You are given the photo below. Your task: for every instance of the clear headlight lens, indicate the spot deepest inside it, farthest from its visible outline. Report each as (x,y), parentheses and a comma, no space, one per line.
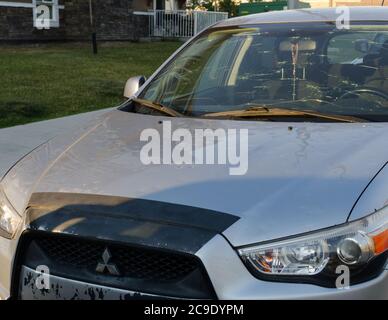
(355,245)
(9,218)
(307,258)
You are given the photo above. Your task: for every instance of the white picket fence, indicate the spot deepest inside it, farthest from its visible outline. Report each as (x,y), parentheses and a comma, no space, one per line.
(181,23)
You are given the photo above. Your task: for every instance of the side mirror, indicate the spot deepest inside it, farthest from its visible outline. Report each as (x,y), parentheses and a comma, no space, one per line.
(361,45)
(133,85)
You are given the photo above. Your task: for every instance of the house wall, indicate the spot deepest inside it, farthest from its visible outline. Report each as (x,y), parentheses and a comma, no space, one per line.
(16,22)
(120,22)
(142,5)
(114,20)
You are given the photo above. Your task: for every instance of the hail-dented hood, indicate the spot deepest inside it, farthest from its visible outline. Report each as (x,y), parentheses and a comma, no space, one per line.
(297,180)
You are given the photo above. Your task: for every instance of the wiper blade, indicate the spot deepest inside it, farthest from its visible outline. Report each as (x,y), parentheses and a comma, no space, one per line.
(158,107)
(268,111)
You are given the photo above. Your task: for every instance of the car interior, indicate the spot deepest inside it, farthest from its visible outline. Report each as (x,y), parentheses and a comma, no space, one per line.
(314,77)
(339,72)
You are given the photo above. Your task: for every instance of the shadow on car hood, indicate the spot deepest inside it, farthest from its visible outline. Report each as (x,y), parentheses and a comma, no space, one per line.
(298,180)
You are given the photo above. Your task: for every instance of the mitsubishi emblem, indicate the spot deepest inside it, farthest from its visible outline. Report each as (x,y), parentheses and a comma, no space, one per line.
(111,268)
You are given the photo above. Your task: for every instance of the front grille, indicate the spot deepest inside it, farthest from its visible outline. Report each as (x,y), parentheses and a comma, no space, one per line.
(132,262)
(142,269)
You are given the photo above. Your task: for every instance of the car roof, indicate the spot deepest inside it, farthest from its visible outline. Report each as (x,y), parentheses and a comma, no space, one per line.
(309,15)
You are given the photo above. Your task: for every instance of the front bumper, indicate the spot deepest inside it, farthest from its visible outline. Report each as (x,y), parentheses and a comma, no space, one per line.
(229,277)
(68,289)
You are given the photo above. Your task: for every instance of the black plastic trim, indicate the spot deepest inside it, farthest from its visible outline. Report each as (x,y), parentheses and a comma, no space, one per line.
(195,285)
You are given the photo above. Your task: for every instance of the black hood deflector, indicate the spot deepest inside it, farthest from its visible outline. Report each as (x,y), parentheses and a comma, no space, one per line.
(136,221)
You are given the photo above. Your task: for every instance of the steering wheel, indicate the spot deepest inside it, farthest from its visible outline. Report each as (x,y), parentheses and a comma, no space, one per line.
(380,103)
(358,92)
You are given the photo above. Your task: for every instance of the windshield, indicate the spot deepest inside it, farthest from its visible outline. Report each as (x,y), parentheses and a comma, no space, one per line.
(301,66)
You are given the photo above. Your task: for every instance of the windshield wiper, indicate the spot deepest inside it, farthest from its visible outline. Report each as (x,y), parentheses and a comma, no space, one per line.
(256,111)
(158,107)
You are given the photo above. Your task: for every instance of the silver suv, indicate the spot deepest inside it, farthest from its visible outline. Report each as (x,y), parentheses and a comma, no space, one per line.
(306,218)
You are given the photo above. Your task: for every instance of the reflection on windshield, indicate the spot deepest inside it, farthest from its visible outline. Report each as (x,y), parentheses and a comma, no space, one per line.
(308,66)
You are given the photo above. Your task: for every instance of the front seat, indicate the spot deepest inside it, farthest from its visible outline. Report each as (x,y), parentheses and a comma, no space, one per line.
(379,64)
(305,88)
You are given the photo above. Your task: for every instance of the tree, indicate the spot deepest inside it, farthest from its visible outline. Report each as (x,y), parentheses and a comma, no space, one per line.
(206,5)
(230,6)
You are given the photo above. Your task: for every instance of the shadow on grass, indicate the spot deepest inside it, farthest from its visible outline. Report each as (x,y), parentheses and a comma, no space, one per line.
(107,88)
(19,112)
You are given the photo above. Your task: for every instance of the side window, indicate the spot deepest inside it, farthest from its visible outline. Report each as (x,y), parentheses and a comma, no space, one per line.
(342,48)
(259,58)
(219,69)
(379,40)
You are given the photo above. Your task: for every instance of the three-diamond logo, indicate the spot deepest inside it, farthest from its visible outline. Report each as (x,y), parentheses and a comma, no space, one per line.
(105,266)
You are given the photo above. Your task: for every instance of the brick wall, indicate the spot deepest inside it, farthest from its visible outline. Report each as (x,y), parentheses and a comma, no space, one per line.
(120,22)
(114,20)
(17,24)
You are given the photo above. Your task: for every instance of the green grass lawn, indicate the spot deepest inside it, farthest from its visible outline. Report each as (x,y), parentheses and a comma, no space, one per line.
(50,81)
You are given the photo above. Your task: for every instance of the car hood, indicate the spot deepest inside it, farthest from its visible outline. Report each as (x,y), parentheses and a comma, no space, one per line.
(299,179)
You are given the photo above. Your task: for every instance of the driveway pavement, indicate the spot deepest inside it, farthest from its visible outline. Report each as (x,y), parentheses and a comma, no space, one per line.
(17,141)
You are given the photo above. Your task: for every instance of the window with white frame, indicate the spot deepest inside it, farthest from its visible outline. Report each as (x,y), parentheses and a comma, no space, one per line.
(46,14)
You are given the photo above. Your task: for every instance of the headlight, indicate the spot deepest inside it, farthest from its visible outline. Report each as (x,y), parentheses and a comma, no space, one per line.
(9,218)
(361,245)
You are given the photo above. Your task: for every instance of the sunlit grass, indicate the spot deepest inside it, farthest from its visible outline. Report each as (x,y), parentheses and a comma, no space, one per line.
(50,81)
